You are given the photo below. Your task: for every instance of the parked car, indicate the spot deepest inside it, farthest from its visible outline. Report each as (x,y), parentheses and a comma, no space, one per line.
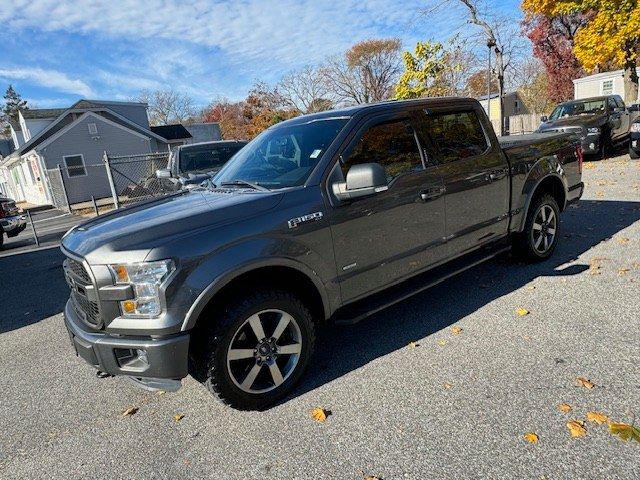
(194,163)
(12,222)
(601,122)
(634,142)
(327,217)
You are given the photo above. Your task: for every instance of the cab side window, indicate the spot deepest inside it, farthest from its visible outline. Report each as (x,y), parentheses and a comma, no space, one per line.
(455,135)
(391,144)
(611,104)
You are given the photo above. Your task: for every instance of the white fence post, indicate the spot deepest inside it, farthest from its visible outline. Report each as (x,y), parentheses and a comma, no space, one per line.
(114,194)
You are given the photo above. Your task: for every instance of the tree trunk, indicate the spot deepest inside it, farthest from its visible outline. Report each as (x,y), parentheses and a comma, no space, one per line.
(630,81)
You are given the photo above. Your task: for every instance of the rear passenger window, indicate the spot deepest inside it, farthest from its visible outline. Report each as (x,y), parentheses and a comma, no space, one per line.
(455,135)
(391,144)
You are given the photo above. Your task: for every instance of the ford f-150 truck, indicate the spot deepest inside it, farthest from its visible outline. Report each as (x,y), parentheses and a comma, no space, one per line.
(327,217)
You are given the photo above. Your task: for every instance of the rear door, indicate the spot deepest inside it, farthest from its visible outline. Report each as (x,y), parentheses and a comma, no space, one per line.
(475,174)
(386,237)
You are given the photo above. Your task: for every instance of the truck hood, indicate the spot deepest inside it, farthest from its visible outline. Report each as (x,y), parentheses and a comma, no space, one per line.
(128,235)
(596,120)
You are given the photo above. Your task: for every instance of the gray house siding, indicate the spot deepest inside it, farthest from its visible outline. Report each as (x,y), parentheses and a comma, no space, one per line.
(77,140)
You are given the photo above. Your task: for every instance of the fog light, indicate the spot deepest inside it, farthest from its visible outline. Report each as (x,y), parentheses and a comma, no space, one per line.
(142,355)
(592,146)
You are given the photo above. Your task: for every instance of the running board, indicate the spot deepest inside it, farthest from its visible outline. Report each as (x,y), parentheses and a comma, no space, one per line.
(361,309)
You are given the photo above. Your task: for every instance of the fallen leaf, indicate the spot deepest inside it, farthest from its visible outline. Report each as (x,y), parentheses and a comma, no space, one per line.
(178,416)
(130,411)
(160,392)
(448,386)
(564,407)
(442,343)
(320,414)
(369,477)
(599,194)
(456,330)
(522,312)
(625,431)
(531,437)
(595,264)
(623,271)
(576,428)
(531,287)
(623,240)
(597,417)
(588,166)
(413,344)
(585,382)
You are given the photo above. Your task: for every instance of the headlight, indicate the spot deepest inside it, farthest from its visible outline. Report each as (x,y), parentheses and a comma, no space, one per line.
(593,130)
(146,279)
(635,127)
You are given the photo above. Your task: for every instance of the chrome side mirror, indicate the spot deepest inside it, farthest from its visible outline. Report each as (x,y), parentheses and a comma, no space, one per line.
(363,180)
(163,173)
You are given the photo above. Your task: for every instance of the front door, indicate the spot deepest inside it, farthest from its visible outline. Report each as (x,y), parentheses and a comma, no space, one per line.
(381,239)
(475,175)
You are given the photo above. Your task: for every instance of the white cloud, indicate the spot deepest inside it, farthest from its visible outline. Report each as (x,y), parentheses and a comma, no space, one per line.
(48,78)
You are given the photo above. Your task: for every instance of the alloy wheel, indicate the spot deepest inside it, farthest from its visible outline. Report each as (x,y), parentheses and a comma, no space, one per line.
(544,229)
(264,351)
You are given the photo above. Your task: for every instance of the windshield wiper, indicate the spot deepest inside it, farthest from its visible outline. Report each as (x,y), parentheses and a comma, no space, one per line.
(244,183)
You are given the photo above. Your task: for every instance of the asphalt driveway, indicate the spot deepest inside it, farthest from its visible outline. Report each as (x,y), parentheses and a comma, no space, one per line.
(454,406)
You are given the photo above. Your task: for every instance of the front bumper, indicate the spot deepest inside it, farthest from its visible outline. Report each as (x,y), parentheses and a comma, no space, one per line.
(12,226)
(154,363)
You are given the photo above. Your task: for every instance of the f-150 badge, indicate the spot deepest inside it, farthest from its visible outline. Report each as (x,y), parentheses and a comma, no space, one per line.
(294,222)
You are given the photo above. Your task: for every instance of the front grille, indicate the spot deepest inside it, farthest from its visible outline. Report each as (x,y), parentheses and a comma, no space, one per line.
(86,308)
(78,279)
(77,268)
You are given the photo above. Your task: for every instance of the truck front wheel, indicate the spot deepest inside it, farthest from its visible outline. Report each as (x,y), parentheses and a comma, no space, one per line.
(253,352)
(540,235)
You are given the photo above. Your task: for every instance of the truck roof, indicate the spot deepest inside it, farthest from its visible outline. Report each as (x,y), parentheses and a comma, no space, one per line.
(351,111)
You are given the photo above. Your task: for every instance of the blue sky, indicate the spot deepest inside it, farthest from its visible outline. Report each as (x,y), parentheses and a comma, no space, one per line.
(57,51)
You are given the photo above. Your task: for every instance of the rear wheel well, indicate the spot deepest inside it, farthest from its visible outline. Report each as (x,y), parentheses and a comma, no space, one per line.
(276,277)
(552,186)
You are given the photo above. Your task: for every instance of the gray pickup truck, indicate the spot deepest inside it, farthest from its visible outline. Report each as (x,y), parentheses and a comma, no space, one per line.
(327,217)
(12,221)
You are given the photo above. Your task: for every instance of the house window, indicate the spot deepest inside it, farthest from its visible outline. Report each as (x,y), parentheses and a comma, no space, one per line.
(93,129)
(607,87)
(75,165)
(516,105)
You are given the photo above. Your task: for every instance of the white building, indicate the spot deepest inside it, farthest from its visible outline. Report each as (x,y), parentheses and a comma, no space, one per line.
(606,83)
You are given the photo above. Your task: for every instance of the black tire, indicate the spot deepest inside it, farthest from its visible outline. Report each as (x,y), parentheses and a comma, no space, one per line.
(633,153)
(606,146)
(527,244)
(1,239)
(212,344)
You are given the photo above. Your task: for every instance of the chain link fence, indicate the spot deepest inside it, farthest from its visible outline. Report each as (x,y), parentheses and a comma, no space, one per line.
(116,181)
(133,177)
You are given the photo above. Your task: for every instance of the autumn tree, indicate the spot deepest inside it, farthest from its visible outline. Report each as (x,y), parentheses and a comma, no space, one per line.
(167,106)
(229,117)
(610,34)
(553,40)
(460,64)
(422,76)
(477,83)
(366,73)
(532,82)
(306,90)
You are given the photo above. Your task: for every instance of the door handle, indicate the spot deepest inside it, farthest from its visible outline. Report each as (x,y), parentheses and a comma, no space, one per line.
(497,174)
(431,193)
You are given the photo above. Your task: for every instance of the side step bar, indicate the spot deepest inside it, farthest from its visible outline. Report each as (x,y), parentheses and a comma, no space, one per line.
(361,309)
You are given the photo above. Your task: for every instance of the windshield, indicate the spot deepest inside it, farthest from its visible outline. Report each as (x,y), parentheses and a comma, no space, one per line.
(578,108)
(206,157)
(282,157)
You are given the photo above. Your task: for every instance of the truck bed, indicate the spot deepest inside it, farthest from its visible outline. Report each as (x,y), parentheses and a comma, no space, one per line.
(535,144)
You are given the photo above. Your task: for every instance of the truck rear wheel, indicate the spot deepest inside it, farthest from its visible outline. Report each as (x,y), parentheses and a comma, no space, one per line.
(255,350)
(539,238)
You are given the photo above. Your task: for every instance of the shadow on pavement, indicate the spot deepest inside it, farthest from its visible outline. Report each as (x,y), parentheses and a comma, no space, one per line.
(340,350)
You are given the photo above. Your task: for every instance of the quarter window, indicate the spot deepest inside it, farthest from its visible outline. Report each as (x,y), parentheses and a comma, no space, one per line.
(391,144)
(455,135)
(75,165)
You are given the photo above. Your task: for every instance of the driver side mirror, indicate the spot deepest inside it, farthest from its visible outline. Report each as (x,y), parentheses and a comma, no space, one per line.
(163,173)
(363,180)
(544,118)
(618,110)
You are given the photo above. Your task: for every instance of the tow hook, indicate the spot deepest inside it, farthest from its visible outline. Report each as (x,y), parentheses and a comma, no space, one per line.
(101,374)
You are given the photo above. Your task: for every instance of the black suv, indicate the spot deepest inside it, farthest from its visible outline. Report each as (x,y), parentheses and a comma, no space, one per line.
(601,122)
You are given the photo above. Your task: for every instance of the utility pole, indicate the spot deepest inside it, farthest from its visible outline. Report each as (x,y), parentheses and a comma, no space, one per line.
(490,44)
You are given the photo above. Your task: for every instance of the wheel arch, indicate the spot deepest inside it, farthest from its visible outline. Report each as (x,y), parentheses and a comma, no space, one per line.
(551,184)
(285,274)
